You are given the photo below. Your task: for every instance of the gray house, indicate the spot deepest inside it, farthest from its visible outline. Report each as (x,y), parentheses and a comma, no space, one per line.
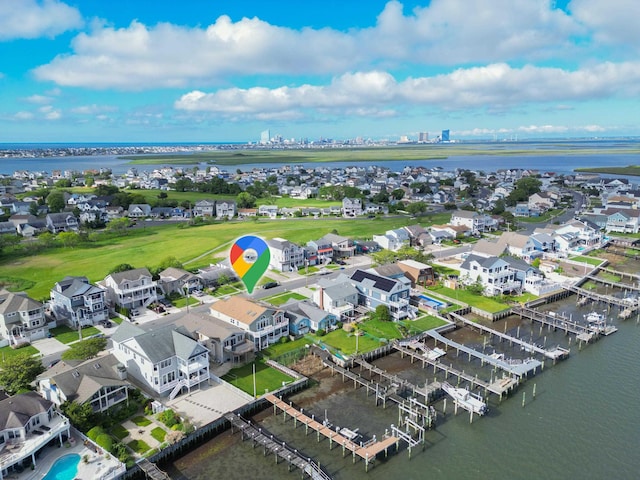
(77,302)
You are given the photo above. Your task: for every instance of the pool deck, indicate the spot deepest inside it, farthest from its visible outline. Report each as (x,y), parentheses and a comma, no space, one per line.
(98,467)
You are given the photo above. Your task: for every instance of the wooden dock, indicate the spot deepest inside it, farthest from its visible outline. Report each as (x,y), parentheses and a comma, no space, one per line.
(554,353)
(367,451)
(631,276)
(152,471)
(609,283)
(498,387)
(279,449)
(556,321)
(598,297)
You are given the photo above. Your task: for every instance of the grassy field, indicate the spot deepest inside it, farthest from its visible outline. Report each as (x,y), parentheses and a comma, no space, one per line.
(633,170)
(266,378)
(283,298)
(346,342)
(588,260)
(380,329)
(119,431)
(67,334)
(159,433)
(279,349)
(138,446)
(141,421)
(193,246)
(545,217)
(487,304)
(182,302)
(423,323)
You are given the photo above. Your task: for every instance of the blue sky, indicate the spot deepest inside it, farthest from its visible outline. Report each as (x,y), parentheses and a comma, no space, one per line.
(224,70)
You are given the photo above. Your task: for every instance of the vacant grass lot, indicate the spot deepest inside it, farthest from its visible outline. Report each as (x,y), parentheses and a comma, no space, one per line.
(66,334)
(346,342)
(149,246)
(487,304)
(588,260)
(266,378)
(283,298)
(278,349)
(423,323)
(380,329)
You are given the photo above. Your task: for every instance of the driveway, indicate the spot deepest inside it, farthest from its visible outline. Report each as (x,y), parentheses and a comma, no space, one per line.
(50,346)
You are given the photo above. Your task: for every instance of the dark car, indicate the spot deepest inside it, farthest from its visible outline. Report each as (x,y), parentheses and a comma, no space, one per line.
(270,285)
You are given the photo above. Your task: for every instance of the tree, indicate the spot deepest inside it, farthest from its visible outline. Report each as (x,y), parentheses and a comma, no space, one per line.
(80,414)
(123,267)
(119,225)
(536,262)
(85,349)
(69,239)
(382,313)
(397,194)
(55,201)
(169,262)
(416,208)
(103,190)
(499,207)
(33,209)
(19,371)
(523,189)
(246,200)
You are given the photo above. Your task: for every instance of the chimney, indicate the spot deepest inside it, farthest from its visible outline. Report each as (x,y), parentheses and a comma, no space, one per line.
(121,370)
(321,301)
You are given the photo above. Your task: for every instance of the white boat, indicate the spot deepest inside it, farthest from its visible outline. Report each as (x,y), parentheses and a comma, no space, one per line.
(347,433)
(471,402)
(595,317)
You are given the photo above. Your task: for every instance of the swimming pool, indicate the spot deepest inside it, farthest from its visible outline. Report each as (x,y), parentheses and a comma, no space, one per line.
(64,468)
(432,302)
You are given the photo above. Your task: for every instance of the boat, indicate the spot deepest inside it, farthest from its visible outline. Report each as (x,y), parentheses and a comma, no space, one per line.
(595,317)
(347,433)
(471,402)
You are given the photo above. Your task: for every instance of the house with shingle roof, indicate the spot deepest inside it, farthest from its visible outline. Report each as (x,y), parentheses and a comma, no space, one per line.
(22,318)
(101,382)
(131,288)
(337,296)
(305,317)
(75,301)
(174,279)
(263,325)
(166,360)
(375,290)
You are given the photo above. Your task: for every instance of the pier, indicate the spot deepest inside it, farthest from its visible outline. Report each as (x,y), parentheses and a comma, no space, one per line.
(598,297)
(498,387)
(554,353)
(519,369)
(609,283)
(152,471)
(279,449)
(367,451)
(631,276)
(557,322)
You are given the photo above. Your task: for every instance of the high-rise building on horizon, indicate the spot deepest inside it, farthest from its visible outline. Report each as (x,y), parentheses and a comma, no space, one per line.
(265,137)
(423,137)
(445,136)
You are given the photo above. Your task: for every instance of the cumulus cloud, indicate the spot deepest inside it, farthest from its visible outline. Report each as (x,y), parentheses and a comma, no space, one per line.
(166,55)
(34,18)
(39,99)
(611,22)
(93,109)
(23,115)
(494,87)
(50,113)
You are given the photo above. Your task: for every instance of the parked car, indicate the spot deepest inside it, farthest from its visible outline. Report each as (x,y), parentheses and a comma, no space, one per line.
(106,324)
(270,285)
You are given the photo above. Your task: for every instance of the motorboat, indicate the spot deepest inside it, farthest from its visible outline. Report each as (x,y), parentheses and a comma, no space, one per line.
(471,402)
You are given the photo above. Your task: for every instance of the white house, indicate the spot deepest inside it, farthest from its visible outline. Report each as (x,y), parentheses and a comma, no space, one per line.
(22,318)
(77,302)
(166,359)
(285,255)
(351,207)
(131,288)
(338,297)
(493,273)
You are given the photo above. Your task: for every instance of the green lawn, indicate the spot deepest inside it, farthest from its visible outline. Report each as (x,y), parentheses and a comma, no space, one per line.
(6,352)
(138,446)
(159,433)
(278,349)
(346,342)
(149,246)
(225,290)
(283,298)
(588,260)
(182,302)
(117,320)
(119,431)
(380,329)
(423,323)
(66,334)
(488,304)
(141,421)
(541,218)
(266,378)
(610,277)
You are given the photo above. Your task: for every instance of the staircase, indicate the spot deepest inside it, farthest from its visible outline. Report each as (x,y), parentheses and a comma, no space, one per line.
(178,388)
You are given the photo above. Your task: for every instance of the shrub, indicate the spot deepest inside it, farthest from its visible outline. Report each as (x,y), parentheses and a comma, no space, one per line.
(95,432)
(169,418)
(105,441)
(321,332)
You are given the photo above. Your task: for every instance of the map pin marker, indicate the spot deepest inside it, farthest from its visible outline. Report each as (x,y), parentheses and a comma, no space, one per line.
(249,257)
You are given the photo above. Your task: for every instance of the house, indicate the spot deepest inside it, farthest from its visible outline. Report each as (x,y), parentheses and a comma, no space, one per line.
(263,325)
(61,222)
(351,207)
(75,301)
(225,342)
(416,233)
(204,208)
(305,317)
(322,248)
(338,297)
(342,246)
(174,279)
(22,318)
(517,244)
(225,208)
(393,240)
(139,210)
(166,359)
(375,290)
(101,382)
(210,276)
(270,211)
(488,248)
(28,423)
(285,255)
(585,233)
(419,273)
(493,273)
(474,221)
(8,228)
(542,201)
(131,288)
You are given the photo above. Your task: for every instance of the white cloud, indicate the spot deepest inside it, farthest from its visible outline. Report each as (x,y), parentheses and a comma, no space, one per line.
(39,99)
(494,88)
(50,113)
(93,109)
(532,130)
(612,22)
(34,18)
(139,56)
(23,115)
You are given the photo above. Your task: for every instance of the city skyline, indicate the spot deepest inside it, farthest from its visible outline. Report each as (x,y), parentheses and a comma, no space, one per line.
(226,71)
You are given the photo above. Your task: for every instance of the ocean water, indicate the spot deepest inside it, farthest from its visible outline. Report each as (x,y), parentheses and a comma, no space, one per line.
(582,424)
